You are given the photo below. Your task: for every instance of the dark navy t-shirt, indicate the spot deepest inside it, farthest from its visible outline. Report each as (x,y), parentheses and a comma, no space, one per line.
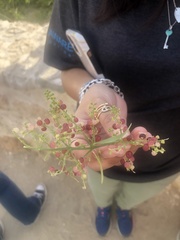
(129,50)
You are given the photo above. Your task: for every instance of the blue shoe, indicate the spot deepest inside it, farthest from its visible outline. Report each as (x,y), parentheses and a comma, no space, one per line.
(124,222)
(103,220)
(40,193)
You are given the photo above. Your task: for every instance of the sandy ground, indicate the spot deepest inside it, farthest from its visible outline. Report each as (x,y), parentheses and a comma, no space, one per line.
(69,211)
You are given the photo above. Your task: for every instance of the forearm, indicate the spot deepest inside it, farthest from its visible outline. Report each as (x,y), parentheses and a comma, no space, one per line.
(73,80)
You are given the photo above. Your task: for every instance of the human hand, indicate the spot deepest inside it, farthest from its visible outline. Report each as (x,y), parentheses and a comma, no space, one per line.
(97,95)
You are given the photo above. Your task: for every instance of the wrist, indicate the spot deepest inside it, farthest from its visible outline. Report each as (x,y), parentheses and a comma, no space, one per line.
(104,81)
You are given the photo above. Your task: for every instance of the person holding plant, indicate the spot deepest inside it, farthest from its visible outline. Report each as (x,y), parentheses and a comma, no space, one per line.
(132,43)
(24,209)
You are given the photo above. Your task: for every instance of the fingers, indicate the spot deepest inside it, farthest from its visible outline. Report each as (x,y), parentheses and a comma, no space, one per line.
(114,120)
(140,133)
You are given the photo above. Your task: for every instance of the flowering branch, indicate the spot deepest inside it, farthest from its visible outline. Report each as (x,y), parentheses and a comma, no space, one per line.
(57,135)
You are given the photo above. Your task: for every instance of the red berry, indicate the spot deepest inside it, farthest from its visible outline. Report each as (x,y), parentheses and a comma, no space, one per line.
(65,127)
(81,159)
(76,144)
(123,121)
(43,129)
(76,119)
(39,122)
(63,106)
(145,147)
(129,154)
(122,161)
(129,138)
(88,127)
(72,135)
(47,121)
(83,128)
(114,126)
(97,138)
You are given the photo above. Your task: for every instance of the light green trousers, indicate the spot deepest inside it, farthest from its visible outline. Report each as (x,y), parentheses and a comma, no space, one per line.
(126,194)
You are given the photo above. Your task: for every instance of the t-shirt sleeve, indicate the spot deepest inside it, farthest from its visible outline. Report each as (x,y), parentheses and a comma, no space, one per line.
(58,51)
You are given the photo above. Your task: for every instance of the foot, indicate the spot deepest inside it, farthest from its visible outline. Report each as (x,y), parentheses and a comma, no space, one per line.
(103,220)
(1,231)
(124,222)
(40,193)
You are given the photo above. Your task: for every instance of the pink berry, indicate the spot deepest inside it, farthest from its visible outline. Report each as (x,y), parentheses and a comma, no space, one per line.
(52,169)
(151,143)
(125,128)
(57,154)
(127,165)
(76,171)
(132,159)
(52,144)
